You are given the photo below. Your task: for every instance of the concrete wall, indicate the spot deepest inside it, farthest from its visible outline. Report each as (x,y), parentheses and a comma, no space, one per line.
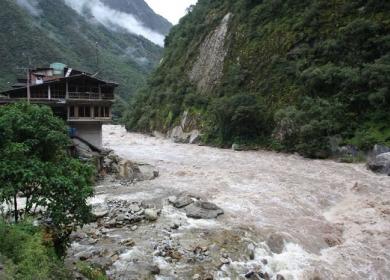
(91,132)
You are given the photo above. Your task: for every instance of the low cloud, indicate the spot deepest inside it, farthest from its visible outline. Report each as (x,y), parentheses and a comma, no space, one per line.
(30,6)
(112,19)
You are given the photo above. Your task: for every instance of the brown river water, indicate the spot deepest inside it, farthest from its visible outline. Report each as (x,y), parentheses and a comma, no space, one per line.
(333,218)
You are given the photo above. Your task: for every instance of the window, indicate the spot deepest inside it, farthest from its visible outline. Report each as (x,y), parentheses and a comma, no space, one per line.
(84,111)
(96,112)
(71,112)
(106,112)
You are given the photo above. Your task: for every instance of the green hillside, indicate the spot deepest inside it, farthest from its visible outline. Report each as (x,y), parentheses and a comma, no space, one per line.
(58,33)
(297,76)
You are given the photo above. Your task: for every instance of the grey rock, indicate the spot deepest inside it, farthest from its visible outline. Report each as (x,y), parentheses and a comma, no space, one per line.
(134,228)
(99,213)
(151,214)
(128,242)
(203,210)
(154,270)
(121,218)
(146,172)
(276,243)
(178,135)
(380,149)
(195,137)
(182,201)
(280,277)
(251,251)
(348,150)
(175,225)
(78,236)
(82,256)
(380,164)
(134,208)
(236,147)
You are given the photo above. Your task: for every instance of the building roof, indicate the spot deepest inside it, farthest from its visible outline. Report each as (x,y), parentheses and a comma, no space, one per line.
(60,80)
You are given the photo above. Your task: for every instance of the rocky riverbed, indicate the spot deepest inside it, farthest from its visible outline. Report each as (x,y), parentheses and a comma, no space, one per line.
(220,214)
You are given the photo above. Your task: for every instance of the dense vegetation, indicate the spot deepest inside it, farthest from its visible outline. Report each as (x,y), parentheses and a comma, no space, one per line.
(26,254)
(59,34)
(298,75)
(38,180)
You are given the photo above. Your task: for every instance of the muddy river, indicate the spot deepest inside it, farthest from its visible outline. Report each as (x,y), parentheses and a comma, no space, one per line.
(285,217)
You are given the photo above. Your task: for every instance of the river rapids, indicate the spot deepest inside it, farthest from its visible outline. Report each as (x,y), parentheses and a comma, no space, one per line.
(304,219)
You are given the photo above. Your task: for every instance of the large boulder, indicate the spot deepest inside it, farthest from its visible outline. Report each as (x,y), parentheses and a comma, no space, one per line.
(131,171)
(146,172)
(83,150)
(203,210)
(380,164)
(178,135)
(380,149)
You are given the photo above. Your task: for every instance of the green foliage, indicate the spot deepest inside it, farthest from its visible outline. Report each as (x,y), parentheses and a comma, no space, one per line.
(34,164)
(308,128)
(238,118)
(321,67)
(370,134)
(26,255)
(91,273)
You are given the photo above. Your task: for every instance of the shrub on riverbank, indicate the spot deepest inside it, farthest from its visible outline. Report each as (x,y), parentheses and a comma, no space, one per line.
(25,254)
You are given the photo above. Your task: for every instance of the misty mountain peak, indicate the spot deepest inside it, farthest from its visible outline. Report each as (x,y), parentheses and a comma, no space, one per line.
(141,10)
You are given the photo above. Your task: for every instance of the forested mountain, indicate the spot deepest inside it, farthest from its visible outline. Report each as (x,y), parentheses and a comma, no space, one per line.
(37,33)
(141,10)
(294,75)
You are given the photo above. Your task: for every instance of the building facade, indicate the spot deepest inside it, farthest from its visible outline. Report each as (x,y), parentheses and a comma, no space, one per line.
(79,98)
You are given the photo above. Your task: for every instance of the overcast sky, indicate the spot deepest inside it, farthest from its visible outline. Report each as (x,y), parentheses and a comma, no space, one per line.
(172,10)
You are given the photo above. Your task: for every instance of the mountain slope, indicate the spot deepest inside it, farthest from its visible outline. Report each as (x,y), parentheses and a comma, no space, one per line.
(302,76)
(141,10)
(49,31)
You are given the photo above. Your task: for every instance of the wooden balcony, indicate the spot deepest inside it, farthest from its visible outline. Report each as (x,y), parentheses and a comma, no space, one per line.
(90,96)
(89,119)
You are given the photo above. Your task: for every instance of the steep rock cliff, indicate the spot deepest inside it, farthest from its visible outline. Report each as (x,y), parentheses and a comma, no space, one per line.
(290,75)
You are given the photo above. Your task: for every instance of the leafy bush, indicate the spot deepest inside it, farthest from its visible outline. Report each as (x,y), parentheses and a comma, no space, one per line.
(307,129)
(26,255)
(34,164)
(90,272)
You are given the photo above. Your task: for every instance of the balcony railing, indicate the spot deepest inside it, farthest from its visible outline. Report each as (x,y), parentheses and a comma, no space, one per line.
(90,95)
(90,119)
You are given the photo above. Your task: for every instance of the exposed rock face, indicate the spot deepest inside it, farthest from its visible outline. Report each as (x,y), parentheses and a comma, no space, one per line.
(380,164)
(207,70)
(186,132)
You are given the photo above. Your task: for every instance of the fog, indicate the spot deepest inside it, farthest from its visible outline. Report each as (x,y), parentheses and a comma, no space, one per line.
(112,19)
(30,6)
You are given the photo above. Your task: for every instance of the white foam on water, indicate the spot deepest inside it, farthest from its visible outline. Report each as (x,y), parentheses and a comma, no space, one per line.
(126,258)
(308,200)
(292,263)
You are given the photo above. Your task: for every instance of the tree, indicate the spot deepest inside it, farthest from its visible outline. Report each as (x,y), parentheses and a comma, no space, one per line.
(35,165)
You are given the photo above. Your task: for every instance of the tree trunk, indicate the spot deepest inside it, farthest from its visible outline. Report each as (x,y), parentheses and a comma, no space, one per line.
(16,209)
